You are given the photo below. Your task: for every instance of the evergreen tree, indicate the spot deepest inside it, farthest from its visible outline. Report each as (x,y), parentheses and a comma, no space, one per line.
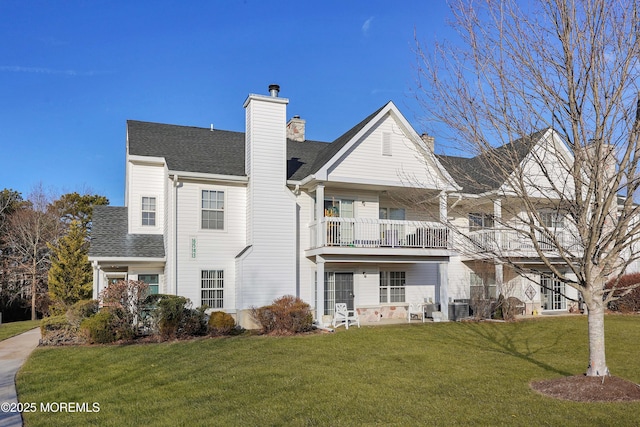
(70,275)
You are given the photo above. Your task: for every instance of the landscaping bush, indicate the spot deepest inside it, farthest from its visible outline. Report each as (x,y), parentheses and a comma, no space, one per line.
(195,323)
(285,316)
(81,310)
(56,330)
(175,318)
(221,323)
(630,302)
(107,326)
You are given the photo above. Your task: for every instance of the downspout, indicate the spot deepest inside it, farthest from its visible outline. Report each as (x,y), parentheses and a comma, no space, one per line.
(175,237)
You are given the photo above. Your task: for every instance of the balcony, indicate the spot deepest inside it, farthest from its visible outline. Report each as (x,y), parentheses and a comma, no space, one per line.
(514,243)
(379,233)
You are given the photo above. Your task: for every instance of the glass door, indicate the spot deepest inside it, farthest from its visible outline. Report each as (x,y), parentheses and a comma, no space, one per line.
(552,293)
(338,288)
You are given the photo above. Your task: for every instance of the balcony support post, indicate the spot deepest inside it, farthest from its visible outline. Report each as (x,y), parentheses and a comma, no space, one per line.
(443,207)
(320,225)
(319,290)
(497,224)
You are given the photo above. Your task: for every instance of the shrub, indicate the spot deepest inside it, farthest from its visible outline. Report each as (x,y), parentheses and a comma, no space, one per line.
(221,323)
(107,326)
(56,330)
(169,314)
(629,302)
(285,316)
(129,296)
(81,310)
(195,322)
(175,318)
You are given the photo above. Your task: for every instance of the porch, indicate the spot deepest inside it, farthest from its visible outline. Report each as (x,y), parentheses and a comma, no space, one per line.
(378,233)
(519,244)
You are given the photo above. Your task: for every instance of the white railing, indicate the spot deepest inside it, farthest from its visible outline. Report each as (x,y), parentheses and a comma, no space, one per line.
(376,233)
(493,240)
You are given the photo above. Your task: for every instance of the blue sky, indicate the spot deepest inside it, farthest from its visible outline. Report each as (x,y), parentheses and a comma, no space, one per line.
(73,72)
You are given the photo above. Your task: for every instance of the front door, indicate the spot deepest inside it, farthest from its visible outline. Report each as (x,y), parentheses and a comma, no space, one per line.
(344,289)
(553,293)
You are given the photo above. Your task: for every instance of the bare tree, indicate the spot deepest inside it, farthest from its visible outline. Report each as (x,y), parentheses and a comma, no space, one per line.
(28,232)
(539,98)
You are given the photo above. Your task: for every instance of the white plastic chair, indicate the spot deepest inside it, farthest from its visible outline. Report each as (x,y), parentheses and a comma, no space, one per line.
(342,316)
(415,309)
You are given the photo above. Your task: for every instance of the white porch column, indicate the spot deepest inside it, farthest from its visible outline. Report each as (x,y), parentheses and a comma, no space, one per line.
(497,224)
(443,282)
(319,290)
(500,279)
(319,216)
(443,207)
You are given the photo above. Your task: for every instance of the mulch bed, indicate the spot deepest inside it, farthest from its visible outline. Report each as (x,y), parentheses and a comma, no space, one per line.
(580,388)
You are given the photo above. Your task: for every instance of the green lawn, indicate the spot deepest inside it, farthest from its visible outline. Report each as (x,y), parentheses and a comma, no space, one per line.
(8,330)
(419,374)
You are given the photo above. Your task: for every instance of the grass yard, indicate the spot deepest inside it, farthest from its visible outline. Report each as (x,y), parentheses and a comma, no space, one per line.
(442,374)
(8,330)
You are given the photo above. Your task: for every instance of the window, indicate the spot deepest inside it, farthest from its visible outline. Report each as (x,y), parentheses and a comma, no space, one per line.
(212,288)
(482,287)
(149,211)
(392,213)
(212,210)
(480,221)
(552,220)
(392,286)
(152,281)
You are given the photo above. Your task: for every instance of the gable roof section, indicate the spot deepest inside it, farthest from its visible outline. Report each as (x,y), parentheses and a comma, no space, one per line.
(329,152)
(109,237)
(478,174)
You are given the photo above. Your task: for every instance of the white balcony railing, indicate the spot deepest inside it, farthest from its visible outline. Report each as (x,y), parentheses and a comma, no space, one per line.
(376,233)
(493,240)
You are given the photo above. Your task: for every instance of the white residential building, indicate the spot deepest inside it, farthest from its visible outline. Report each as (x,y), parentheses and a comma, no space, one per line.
(234,220)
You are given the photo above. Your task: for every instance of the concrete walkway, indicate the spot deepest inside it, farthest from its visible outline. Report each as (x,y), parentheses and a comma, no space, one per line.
(13,353)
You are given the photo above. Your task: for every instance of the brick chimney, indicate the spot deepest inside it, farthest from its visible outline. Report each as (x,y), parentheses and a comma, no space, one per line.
(295,129)
(429,141)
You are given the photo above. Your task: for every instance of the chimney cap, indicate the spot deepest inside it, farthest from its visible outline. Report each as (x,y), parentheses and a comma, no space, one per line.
(274,89)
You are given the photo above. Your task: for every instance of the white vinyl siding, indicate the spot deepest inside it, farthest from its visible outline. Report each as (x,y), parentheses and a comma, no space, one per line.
(145,182)
(212,288)
(385,159)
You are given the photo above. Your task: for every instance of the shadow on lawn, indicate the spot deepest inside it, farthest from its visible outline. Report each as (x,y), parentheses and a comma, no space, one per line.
(508,339)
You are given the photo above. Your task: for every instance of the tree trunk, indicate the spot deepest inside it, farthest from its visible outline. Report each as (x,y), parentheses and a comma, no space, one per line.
(597,361)
(34,287)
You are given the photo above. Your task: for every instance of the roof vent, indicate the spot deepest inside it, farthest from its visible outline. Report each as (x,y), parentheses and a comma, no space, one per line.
(273,90)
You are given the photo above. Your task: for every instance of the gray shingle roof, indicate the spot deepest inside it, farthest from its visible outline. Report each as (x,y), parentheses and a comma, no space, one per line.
(480,174)
(109,236)
(203,150)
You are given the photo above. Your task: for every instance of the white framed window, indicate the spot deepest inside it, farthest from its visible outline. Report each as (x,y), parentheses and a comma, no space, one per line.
(392,213)
(482,286)
(152,280)
(212,210)
(480,221)
(552,219)
(212,288)
(392,286)
(149,211)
